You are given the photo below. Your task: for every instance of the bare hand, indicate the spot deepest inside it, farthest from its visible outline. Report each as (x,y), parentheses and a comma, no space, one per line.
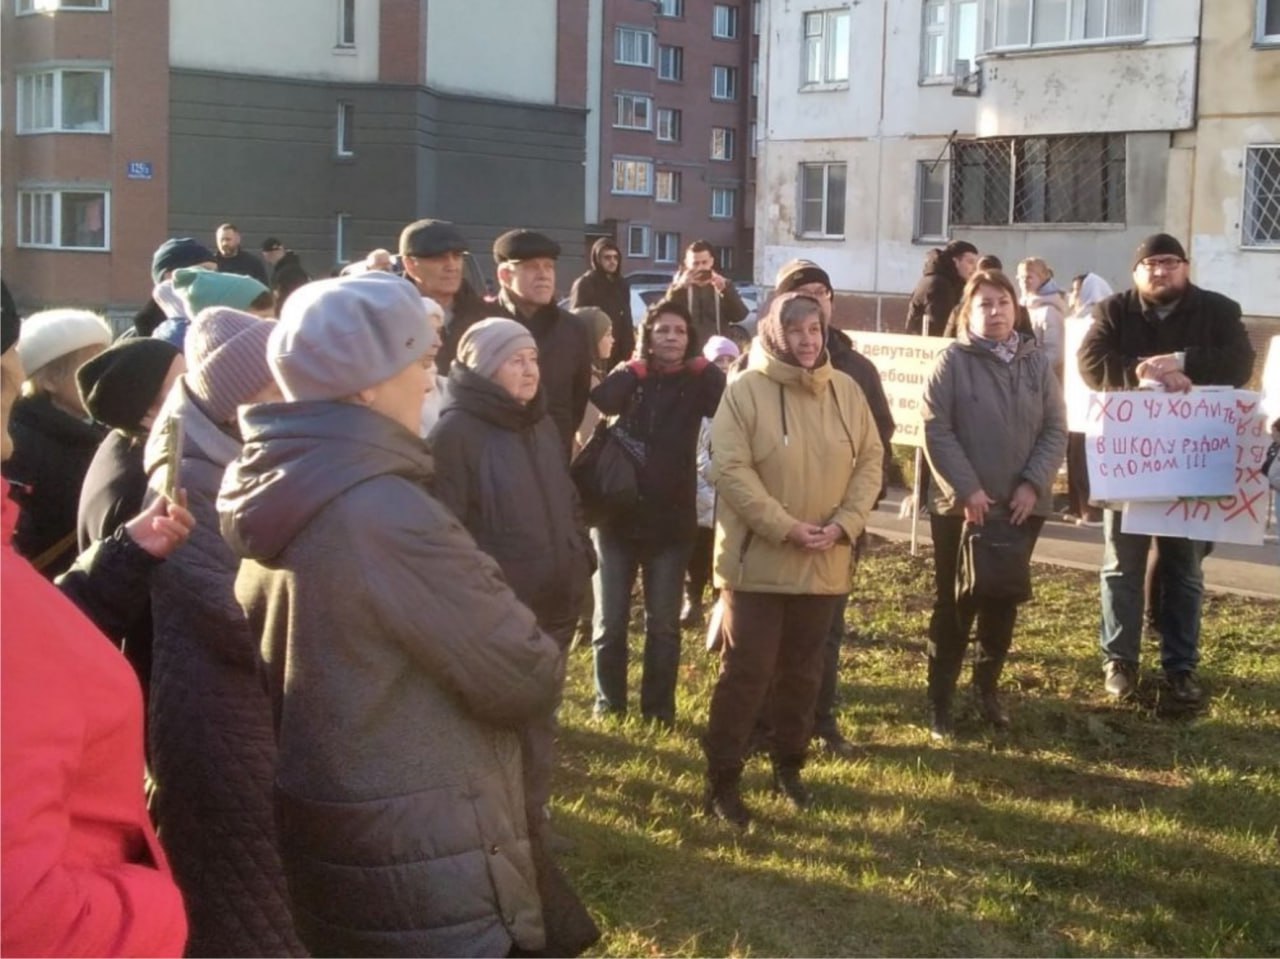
(162,527)
(976,506)
(1023,502)
(718,282)
(1155,367)
(1175,381)
(831,534)
(807,536)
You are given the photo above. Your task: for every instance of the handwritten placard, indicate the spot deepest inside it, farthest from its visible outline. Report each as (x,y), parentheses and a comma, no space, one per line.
(1238,518)
(1147,445)
(904,363)
(1075,393)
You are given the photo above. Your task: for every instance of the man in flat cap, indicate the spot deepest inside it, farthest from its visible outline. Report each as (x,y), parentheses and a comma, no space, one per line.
(433,254)
(1165,331)
(527,279)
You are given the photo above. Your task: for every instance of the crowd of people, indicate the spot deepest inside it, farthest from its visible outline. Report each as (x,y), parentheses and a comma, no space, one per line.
(339,530)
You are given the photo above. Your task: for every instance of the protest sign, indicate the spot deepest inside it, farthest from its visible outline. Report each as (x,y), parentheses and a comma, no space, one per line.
(1149,445)
(904,363)
(1238,518)
(1074,391)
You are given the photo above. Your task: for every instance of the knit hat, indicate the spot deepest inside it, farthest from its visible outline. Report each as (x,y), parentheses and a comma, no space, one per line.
(337,337)
(120,384)
(524,245)
(488,344)
(9,318)
(1158,244)
(718,346)
(797,273)
(227,360)
(50,334)
(597,321)
(178,253)
(431,238)
(201,289)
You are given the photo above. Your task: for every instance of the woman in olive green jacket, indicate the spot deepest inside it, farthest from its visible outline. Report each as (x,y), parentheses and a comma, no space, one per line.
(796,462)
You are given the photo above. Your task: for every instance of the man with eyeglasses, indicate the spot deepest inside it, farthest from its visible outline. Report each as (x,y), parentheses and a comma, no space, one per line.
(1167,333)
(605,287)
(433,253)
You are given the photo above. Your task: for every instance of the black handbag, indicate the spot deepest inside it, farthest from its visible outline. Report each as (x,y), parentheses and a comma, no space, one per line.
(995,561)
(605,472)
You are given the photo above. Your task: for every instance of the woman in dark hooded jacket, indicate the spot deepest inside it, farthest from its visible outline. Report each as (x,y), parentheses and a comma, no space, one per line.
(604,286)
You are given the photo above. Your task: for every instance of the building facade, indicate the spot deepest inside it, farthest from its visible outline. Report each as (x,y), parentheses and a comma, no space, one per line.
(328,124)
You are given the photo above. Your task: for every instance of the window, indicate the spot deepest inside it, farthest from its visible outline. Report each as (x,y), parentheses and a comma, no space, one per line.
(49,6)
(671,8)
(755,17)
(755,78)
(342,237)
(822,199)
(346,129)
(723,201)
(633,177)
(932,177)
(346,23)
(670,62)
(64,101)
(633,47)
(666,247)
(1268,21)
(724,259)
(1066,179)
(669,125)
(633,111)
(724,83)
(638,240)
(950,36)
(826,47)
(722,143)
(755,133)
(1031,23)
(666,186)
(1262,196)
(724,22)
(68,219)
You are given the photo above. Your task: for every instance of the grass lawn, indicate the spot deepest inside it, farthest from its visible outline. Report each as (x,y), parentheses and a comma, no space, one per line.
(1090,828)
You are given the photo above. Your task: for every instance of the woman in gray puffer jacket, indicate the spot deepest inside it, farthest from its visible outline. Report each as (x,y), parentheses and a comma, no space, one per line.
(213,751)
(995,433)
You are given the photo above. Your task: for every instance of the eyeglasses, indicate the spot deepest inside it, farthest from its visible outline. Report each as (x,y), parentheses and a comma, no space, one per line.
(1166,263)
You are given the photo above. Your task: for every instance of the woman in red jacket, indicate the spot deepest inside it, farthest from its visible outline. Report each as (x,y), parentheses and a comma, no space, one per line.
(82,871)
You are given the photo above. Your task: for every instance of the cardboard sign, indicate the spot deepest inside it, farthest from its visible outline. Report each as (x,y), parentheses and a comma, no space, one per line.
(904,363)
(1074,391)
(1150,445)
(1238,518)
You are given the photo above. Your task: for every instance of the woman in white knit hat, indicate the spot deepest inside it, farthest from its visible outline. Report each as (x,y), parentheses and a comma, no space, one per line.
(53,440)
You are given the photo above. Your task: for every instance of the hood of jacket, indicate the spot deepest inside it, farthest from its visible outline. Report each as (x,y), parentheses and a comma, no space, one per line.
(597,248)
(485,399)
(201,437)
(937,263)
(297,458)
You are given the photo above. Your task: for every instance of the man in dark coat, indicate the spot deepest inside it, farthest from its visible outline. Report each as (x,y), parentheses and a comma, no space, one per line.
(433,253)
(527,275)
(711,299)
(604,286)
(1168,330)
(939,289)
(232,259)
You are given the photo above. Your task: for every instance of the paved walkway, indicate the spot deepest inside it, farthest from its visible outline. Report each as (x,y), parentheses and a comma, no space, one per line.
(1245,570)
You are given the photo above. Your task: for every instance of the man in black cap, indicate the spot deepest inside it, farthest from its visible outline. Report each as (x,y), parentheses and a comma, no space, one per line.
(1166,331)
(527,279)
(433,254)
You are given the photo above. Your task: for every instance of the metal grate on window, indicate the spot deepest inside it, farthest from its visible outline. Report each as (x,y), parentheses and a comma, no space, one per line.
(1262,196)
(1067,179)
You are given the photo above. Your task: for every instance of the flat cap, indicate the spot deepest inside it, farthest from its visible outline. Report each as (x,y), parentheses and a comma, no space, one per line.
(431,238)
(524,245)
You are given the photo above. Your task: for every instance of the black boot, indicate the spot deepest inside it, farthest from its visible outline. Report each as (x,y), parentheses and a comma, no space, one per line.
(942,684)
(787,783)
(986,680)
(723,801)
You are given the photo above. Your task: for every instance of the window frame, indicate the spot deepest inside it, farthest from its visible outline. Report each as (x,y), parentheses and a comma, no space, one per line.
(56,212)
(825,49)
(728,140)
(674,178)
(346,25)
(731,192)
(341,237)
(1247,242)
(22,125)
(918,235)
(662,238)
(1260,36)
(730,75)
(646,233)
(662,6)
(804,199)
(733,21)
(634,98)
(28,8)
(345,147)
(613,179)
(991,29)
(677,55)
(950,37)
(724,259)
(676,117)
(650,44)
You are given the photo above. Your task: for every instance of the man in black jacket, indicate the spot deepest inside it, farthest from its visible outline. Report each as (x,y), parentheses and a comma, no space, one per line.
(434,254)
(939,289)
(1168,331)
(232,259)
(605,287)
(527,275)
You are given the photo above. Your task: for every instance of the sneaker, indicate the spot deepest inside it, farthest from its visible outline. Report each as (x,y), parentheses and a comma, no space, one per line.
(723,801)
(836,745)
(1185,688)
(1121,678)
(787,783)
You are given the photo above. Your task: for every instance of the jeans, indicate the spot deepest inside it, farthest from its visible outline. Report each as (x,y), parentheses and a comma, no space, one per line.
(1181,589)
(661,567)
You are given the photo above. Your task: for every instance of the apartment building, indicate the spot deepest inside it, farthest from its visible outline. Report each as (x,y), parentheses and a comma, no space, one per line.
(670,151)
(326,123)
(1065,129)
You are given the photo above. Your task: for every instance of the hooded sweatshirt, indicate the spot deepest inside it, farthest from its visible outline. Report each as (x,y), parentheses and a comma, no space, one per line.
(935,296)
(610,291)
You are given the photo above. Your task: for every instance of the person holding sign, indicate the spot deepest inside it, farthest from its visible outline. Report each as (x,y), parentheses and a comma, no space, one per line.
(1166,332)
(995,433)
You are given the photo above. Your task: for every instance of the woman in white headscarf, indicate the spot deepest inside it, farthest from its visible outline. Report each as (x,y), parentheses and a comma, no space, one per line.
(1087,290)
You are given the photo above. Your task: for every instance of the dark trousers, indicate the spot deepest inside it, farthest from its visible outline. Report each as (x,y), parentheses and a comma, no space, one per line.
(698,575)
(952,622)
(769,639)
